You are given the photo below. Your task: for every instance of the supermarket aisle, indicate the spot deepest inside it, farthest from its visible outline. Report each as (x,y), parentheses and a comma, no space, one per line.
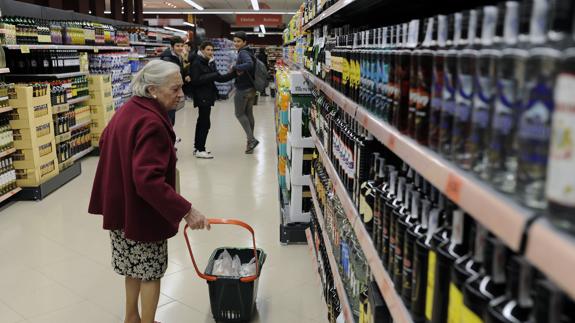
(54,257)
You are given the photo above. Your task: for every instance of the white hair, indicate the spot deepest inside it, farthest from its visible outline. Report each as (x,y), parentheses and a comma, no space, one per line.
(154,73)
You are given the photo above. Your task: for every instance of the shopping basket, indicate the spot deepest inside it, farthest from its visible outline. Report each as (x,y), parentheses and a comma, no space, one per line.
(232,299)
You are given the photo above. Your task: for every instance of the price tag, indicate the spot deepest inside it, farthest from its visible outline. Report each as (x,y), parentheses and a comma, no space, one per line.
(96,49)
(24,49)
(453,188)
(391,142)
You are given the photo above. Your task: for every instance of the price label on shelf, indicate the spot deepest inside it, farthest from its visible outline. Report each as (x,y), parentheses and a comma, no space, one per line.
(453,188)
(96,49)
(391,142)
(25,49)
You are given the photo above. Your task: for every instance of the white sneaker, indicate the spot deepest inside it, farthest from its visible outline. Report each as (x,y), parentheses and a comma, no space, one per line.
(204,155)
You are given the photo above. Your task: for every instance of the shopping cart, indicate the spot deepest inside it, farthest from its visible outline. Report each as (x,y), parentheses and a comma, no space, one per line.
(232,299)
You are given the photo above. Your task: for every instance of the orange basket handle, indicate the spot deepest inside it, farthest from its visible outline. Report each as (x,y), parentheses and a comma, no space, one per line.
(225,221)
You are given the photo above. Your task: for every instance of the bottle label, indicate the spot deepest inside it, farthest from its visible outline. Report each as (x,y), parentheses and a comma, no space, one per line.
(482,102)
(467,316)
(455,306)
(561,180)
(430,285)
(364,207)
(534,125)
(345,71)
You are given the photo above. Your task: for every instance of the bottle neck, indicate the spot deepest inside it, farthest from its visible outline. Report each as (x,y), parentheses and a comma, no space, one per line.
(489,25)
(539,24)
(511,23)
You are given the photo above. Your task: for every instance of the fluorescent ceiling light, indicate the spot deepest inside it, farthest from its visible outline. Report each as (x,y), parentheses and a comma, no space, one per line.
(255,5)
(193,4)
(189,24)
(176,30)
(215,12)
(263,29)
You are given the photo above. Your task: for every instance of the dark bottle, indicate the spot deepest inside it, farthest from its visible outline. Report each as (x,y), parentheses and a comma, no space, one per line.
(401,102)
(380,77)
(391,214)
(438,79)
(502,152)
(466,67)
(485,79)
(561,201)
(517,303)
(464,268)
(402,222)
(390,62)
(551,304)
(534,131)
(422,257)
(367,193)
(415,42)
(450,83)
(390,197)
(382,194)
(364,67)
(488,285)
(447,253)
(424,84)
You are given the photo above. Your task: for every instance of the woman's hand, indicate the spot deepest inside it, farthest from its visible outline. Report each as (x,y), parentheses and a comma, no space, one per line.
(188,79)
(196,220)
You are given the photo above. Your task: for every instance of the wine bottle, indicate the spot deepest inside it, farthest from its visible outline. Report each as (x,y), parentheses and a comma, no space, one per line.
(438,79)
(415,44)
(424,84)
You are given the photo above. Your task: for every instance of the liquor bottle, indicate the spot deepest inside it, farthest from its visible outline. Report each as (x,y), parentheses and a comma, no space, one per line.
(368,183)
(438,78)
(561,199)
(454,44)
(415,44)
(403,222)
(382,193)
(390,62)
(464,268)
(390,216)
(488,285)
(517,304)
(422,256)
(551,304)
(380,71)
(465,79)
(502,153)
(424,83)
(387,209)
(534,130)
(364,67)
(476,146)
(447,254)
(401,102)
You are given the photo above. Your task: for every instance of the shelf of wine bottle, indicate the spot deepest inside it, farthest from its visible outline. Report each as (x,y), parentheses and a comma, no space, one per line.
(76,47)
(6,109)
(63,137)
(48,76)
(60,108)
(4,70)
(312,251)
(386,287)
(499,213)
(82,154)
(343,300)
(7,152)
(9,194)
(328,12)
(553,253)
(80,125)
(79,99)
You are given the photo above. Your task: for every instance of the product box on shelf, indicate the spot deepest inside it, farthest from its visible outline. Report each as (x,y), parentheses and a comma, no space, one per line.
(32,137)
(25,99)
(100,82)
(300,204)
(296,125)
(300,164)
(31,158)
(101,98)
(35,176)
(298,83)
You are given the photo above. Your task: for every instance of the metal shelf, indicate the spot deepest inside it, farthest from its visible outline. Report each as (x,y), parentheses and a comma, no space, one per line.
(40,192)
(139,43)
(6,109)
(63,137)
(4,70)
(7,152)
(10,194)
(328,12)
(76,47)
(504,217)
(80,125)
(384,282)
(82,154)
(80,99)
(49,76)
(338,282)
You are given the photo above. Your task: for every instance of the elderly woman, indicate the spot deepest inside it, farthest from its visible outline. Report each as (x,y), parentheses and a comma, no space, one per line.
(134,186)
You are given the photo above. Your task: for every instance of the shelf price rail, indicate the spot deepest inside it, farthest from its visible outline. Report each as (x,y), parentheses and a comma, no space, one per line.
(338,282)
(393,301)
(504,217)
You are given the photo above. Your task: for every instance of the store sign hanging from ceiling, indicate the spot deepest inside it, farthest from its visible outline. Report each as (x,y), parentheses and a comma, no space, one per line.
(246,20)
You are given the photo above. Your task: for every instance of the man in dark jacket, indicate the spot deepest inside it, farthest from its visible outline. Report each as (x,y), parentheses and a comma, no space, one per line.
(263,57)
(203,75)
(245,90)
(174,55)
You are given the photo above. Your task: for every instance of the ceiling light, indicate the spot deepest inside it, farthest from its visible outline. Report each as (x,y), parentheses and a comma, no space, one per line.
(255,5)
(176,30)
(193,4)
(216,12)
(268,33)
(263,29)
(189,24)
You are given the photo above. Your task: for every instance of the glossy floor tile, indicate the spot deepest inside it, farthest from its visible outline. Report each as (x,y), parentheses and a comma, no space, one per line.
(55,258)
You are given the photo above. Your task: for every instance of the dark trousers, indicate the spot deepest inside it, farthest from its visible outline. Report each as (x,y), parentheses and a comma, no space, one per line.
(172,115)
(202,127)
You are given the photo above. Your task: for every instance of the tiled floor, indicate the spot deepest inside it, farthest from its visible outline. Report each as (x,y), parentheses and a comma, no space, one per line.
(54,257)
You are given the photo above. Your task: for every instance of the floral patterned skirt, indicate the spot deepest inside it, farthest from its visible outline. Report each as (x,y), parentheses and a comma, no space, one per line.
(141,260)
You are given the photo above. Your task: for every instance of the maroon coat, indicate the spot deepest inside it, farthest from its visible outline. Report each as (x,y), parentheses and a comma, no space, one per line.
(136,175)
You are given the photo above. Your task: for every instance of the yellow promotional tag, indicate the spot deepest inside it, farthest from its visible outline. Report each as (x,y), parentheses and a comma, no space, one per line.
(25,49)
(455,304)
(430,285)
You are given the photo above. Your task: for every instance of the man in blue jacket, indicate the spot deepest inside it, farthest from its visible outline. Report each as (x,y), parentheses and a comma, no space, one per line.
(245,90)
